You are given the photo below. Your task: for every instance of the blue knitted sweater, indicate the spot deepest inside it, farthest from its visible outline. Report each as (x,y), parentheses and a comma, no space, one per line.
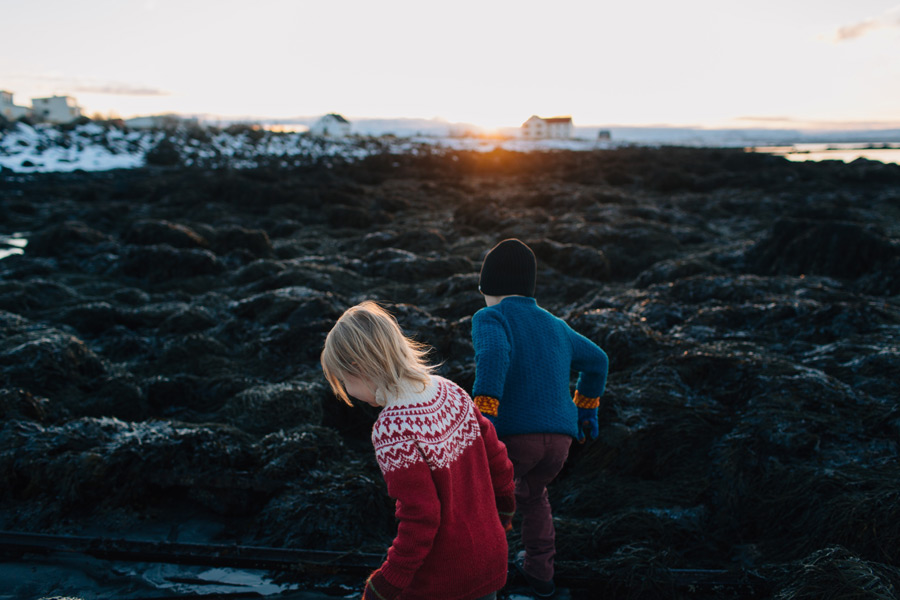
(524,357)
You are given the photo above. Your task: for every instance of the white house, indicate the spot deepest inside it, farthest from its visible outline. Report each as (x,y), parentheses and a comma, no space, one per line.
(537,128)
(55,109)
(331,125)
(8,109)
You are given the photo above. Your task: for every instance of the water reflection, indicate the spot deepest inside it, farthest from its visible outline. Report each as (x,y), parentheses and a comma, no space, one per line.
(12,244)
(886,153)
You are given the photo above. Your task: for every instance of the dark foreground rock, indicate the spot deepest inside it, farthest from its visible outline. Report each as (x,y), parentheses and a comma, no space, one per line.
(159,344)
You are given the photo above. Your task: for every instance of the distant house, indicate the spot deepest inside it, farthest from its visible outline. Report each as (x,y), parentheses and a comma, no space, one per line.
(8,108)
(537,128)
(55,109)
(331,125)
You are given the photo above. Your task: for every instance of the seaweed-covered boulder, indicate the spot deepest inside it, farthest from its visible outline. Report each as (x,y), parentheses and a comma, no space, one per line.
(573,259)
(406,267)
(44,360)
(813,247)
(631,250)
(66,238)
(289,454)
(232,238)
(674,269)
(34,294)
(88,464)
(626,339)
(296,304)
(153,233)
(92,317)
(417,240)
(276,406)
(163,263)
(17,404)
(834,573)
(346,507)
(189,319)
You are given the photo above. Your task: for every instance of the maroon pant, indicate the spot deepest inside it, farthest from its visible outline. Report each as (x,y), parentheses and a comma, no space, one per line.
(537,459)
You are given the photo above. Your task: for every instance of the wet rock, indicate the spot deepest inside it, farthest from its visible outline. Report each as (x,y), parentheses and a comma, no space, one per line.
(258,270)
(43,360)
(747,313)
(404,266)
(633,250)
(163,263)
(92,318)
(340,216)
(169,394)
(672,270)
(572,259)
(37,293)
(325,511)
(626,339)
(212,465)
(118,396)
(834,568)
(288,304)
(417,241)
(130,296)
(457,296)
(190,319)
(255,242)
(832,248)
(153,233)
(315,272)
(288,455)
(17,404)
(195,353)
(65,238)
(274,407)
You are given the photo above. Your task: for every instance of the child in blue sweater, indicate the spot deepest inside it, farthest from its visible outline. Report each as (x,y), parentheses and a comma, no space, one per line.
(524,357)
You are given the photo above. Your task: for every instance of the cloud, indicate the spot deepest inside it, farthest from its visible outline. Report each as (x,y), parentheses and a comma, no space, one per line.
(767,122)
(766,119)
(118,89)
(73,85)
(888,20)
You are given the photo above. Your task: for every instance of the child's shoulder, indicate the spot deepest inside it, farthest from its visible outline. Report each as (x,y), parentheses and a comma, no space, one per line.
(487,313)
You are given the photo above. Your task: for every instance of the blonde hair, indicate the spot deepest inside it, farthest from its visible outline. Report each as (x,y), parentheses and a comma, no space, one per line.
(366,341)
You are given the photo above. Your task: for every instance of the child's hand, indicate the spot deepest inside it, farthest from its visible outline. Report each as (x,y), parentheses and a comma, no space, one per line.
(378,588)
(506,508)
(587,423)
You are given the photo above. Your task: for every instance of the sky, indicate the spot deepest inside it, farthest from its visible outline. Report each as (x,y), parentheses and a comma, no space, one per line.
(803,64)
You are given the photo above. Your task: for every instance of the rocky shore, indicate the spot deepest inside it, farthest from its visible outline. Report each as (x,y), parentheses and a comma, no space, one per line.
(160,333)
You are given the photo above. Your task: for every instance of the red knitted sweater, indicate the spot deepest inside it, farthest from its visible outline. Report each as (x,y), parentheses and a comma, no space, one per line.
(447,470)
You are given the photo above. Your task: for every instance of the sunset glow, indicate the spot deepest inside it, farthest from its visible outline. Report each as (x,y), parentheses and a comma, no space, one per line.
(492,64)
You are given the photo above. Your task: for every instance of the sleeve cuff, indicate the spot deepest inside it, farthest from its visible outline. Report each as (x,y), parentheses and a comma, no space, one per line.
(585,402)
(506,505)
(487,405)
(379,588)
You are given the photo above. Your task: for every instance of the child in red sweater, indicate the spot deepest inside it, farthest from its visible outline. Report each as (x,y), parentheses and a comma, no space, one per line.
(440,458)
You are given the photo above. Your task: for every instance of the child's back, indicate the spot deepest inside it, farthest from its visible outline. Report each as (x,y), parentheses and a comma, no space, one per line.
(524,358)
(437,459)
(441,461)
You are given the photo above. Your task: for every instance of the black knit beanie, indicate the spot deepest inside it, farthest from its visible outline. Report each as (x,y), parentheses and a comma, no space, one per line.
(509,269)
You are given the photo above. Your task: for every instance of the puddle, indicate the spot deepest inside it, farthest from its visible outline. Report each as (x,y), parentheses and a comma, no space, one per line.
(12,244)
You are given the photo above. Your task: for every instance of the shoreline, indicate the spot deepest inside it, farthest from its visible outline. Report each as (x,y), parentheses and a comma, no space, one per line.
(162,328)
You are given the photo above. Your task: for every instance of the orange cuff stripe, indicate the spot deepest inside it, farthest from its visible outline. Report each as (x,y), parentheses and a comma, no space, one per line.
(487,405)
(585,402)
